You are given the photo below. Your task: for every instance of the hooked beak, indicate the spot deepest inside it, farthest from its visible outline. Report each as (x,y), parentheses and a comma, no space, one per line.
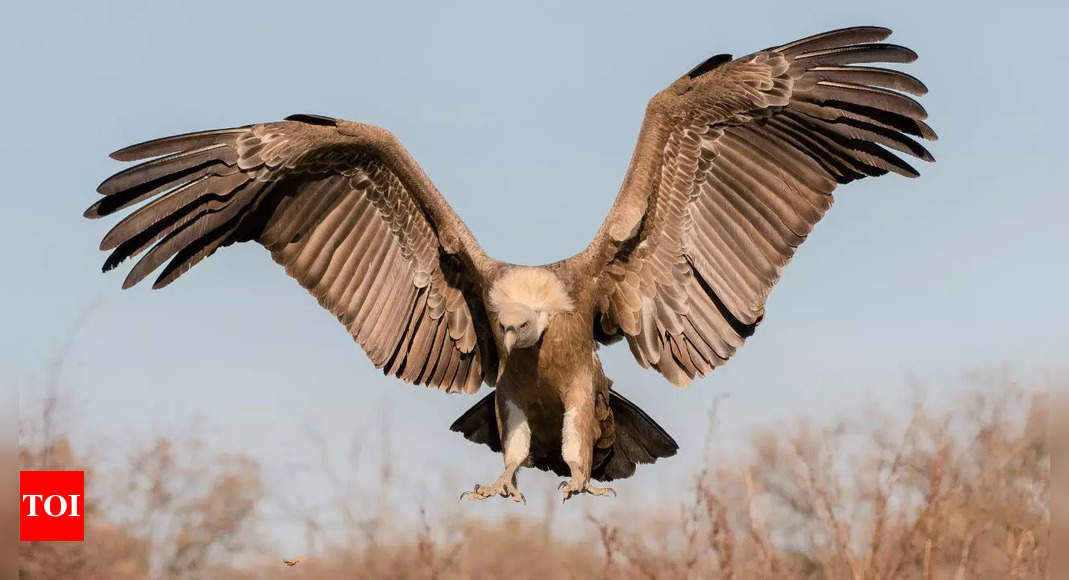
(510,339)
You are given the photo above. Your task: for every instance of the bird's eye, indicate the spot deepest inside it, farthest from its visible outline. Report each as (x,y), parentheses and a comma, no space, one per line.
(524,325)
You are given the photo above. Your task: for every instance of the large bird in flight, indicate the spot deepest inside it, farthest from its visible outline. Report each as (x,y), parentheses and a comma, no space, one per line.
(735,163)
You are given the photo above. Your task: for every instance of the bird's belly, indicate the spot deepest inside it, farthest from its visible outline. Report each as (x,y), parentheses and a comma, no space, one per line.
(540,402)
(538,380)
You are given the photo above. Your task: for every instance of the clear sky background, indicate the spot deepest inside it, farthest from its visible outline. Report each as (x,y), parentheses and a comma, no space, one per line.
(525,118)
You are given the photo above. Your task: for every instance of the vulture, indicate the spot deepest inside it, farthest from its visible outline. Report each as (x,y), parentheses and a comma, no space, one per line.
(736,161)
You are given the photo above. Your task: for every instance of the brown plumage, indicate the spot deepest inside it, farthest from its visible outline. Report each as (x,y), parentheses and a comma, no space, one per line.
(736,162)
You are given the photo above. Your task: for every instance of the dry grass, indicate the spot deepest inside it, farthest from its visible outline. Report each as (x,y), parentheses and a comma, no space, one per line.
(957,495)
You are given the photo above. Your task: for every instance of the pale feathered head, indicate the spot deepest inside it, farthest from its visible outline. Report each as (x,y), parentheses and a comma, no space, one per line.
(524,300)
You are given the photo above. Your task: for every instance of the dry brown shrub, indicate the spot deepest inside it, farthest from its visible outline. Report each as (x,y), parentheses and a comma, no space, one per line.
(168,511)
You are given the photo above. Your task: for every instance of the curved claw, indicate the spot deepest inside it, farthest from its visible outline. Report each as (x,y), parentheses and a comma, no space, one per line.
(479,492)
(571,488)
(509,491)
(602,491)
(473,494)
(505,490)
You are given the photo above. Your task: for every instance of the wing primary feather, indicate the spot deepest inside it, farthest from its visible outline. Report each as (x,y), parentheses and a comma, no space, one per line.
(835,38)
(860,151)
(858,53)
(180,200)
(834,109)
(176,240)
(190,255)
(880,77)
(176,143)
(149,171)
(112,203)
(854,129)
(870,97)
(166,225)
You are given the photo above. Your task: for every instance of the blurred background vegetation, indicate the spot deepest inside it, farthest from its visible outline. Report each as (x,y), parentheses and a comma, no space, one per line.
(961,492)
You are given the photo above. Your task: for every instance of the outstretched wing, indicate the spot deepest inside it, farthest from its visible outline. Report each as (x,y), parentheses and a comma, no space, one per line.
(346,211)
(735,164)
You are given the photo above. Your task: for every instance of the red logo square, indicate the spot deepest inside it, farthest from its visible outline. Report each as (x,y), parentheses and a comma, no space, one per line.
(51,506)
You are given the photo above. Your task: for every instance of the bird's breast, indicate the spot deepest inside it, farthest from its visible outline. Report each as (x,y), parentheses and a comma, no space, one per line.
(561,359)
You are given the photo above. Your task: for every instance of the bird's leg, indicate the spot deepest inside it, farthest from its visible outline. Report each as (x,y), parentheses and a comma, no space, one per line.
(517,444)
(577,444)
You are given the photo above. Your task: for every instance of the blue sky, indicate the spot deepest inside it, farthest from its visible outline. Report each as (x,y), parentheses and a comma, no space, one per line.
(525,118)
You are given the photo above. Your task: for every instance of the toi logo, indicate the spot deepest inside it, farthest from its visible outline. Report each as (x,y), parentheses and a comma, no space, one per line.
(51,506)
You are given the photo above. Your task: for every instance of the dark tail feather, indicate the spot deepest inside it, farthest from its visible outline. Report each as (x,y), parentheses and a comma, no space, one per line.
(639,439)
(479,424)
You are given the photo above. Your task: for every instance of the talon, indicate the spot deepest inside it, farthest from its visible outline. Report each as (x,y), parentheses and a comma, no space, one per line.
(568,490)
(509,491)
(473,494)
(503,488)
(601,491)
(571,488)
